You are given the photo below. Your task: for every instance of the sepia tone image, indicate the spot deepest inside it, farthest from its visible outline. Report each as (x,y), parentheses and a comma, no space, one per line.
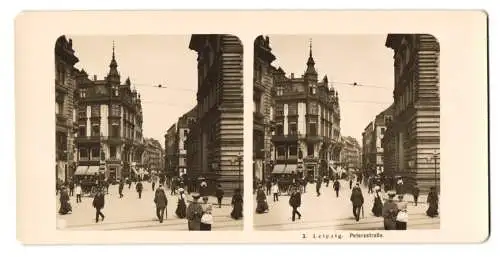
(346,132)
(149,132)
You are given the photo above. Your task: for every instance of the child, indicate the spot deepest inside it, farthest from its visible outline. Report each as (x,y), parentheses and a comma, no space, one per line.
(219,194)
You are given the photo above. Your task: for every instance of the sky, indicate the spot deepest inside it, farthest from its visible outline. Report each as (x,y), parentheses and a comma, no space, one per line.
(148,61)
(167,60)
(363,59)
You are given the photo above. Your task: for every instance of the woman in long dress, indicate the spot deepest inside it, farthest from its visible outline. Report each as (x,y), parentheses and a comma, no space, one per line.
(261,201)
(65,207)
(432,200)
(181,205)
(237,203)
(377,203)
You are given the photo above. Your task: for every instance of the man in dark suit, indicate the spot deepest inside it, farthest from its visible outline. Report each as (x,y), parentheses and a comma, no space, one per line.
(161,202)
(357,201)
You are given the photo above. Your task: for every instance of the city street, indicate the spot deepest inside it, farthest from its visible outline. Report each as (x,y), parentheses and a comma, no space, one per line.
(132,213)
(329,212)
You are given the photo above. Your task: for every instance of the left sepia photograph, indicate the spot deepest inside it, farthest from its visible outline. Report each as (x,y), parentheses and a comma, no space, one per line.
(149,132)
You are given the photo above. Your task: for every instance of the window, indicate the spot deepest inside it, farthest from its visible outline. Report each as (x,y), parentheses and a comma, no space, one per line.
(94,153)
(279,129)
(258,73)
(186,132)
(82,112)
(95,111)
(292,128)
(83,153)
(61,73)
(279,110)
(313,129)
(82,131)
(279,91)
(292,109)
(115,110)
(59,108)
(293,150)
(256,106)
(112,152)
(382,131)
(281,151)
(310,149)
(95,130)
(313,108)
(115,130)
(83,93)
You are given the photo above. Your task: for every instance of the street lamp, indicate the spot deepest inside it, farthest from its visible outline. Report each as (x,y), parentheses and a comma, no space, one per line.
(435,156)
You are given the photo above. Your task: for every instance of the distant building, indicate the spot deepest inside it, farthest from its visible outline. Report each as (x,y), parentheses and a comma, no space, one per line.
(110,139)
(153,155)
(412,139)
(65,86)
(262,103)
(215,141)
(373,152)
(306,113)
(171,161)
(350,156)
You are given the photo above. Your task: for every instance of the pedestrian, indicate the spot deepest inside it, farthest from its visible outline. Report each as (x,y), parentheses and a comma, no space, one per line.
(219,193)
(318,186)
(327,181)
(400,189)
(180,211)
(71,187)
(268,186)
(120,188)
(336,187)
(194,213)
(377,203)
(206,218)
(106,184)
(153,183)
(390,211)
(262,205)
(78,192)
(357,201)
(203,188)
(161,202)
(370,185)
(432,200)
(65,207)
(173,186)
(129,182)
(416,192)
(304,183)
(350,183)
(237,203)
(275,190)
(98,204)
(402,216)
(138,188)
(295,201)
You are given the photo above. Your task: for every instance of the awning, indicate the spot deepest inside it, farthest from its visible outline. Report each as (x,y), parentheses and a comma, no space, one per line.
(86,170)
(290,168)
(332,168)
(134,171)
(279,169)
(93,170)
(81,170)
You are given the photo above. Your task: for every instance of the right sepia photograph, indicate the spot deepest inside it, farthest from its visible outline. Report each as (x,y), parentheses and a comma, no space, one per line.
(346,132)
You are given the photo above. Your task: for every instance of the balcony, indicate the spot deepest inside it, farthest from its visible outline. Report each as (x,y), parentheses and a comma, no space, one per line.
(61,119)
(284,138)
(88,139)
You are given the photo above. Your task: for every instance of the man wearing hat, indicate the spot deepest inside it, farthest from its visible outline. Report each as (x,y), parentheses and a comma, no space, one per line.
(194,213)
(161,202)
(357,201)
(390,211)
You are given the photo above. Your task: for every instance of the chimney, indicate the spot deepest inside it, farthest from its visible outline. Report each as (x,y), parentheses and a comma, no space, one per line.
(95,77)
(292,75)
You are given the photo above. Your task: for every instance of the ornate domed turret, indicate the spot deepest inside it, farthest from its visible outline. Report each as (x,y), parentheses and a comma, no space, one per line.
(113,74)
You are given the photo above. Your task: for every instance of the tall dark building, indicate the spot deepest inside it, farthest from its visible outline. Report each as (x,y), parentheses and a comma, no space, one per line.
(215,140)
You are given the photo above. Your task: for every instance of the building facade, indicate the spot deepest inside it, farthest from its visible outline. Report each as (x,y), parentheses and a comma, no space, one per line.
(152,158)
(306,139)
(373,152)
(65,85)
(411,143)
(350,155)
(109,115)
(262,103)
(215,140)
(171,151)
